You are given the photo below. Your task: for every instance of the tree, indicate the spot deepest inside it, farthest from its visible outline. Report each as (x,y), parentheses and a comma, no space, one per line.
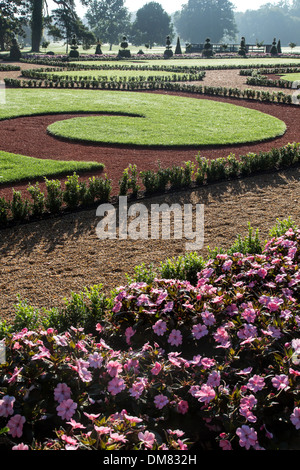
(199,19)
(270,20)
(12,21)
(65,23)
(38,10)
(108,20)
(152,25)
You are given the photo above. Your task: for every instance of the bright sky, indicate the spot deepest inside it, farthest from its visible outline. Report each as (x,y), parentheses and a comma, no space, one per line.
(173,5)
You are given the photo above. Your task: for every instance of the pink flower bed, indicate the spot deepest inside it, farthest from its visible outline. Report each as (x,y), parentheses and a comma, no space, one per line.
(172,366)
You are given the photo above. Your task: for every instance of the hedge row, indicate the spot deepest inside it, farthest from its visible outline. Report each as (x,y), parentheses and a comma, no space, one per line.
(257,95)
(9,68)
(122,67)
(56,199)
(61,62)
(80,194)
(270,70)
(41,75)
(265,81)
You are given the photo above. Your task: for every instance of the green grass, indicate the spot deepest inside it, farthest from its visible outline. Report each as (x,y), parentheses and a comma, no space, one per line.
(113,73)
(15,168)
(291,77)
(163,120)
(236,61)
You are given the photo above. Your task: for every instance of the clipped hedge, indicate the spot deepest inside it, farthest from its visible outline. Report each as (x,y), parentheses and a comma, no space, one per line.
(203,171)
(73,195)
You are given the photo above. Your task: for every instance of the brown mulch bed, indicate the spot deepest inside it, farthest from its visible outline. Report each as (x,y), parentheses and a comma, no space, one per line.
(28,136)
(43,261)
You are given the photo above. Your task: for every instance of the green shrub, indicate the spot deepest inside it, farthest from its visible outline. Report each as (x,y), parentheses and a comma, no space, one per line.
(74,192)
(282,226)
(4,211)
(99,189)
(249,245)
(20,208)
(142,273)
(185,267)
(38,205)
(54,197)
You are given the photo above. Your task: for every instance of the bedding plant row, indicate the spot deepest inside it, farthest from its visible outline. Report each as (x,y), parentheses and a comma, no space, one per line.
(74,194)
(166,364)
(233,92)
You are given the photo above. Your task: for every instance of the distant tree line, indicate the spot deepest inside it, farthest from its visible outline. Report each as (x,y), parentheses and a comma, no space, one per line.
(106,21)
(281,20)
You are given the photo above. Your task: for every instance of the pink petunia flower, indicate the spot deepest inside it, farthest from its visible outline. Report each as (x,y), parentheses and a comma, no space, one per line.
(137,388)
(160,401)
(175,338)
(66,409)
(95,360)
(256,383)
(206,394)
(156,368)
(183,407)
(280,382)
(295,417)
(247,436)
(198,331)
(160,327)
(114,368)
(147,438)
(62,392)
(20,447)
(15,425)
(116,385)
(7,406)
(129,332)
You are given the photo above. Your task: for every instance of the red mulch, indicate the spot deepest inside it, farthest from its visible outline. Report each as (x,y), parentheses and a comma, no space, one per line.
(28,136)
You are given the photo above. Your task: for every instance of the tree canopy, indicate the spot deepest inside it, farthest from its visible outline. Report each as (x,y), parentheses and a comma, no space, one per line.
(152,25)
(108,19)
(12,20)
(281,21)
(200,19)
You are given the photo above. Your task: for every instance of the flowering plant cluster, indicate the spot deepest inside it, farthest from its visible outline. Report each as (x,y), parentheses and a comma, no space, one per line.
(172,365)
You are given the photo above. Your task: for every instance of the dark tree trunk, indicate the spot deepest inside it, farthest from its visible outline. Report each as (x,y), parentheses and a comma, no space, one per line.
(37,25)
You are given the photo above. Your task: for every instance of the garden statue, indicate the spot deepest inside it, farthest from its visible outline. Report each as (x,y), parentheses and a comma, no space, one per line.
(74,52)
(208,50)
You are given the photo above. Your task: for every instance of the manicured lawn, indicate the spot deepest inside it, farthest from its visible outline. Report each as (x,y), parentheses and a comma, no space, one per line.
(143,118)
(291,77)
(14,168)
(236,61)
(113,73)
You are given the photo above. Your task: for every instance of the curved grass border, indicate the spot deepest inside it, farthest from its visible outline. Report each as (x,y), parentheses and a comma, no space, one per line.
(16,168)
(171,121)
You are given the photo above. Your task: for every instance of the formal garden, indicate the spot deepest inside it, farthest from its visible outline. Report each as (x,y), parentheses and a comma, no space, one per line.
(200,351)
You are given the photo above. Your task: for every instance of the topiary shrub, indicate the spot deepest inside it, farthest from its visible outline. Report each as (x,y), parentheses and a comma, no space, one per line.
(124,52)
(74,48)
(15,52)
(168,53)
(242,48)
(208,49)
(274,50)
